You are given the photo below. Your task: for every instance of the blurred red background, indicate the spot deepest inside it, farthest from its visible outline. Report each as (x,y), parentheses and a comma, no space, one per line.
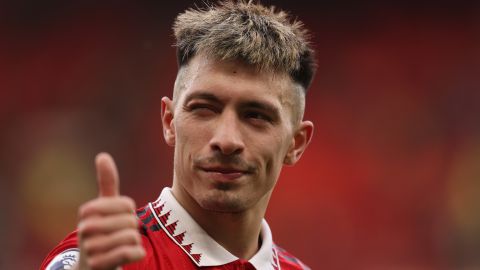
(390,181)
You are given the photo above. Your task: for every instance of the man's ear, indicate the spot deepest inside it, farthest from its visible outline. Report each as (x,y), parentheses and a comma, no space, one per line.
(167,121)
(300,141)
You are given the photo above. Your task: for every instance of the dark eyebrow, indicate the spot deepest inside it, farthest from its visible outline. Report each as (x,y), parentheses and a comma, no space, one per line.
(250,104)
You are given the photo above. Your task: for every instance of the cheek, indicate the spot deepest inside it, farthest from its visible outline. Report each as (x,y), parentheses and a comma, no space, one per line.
(190,139)
(275,148)
(182,141)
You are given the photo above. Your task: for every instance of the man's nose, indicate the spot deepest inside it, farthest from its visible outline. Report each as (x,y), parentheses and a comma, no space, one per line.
(227,137)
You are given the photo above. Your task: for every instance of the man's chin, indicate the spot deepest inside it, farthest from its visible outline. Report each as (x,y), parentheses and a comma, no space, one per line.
(223,202)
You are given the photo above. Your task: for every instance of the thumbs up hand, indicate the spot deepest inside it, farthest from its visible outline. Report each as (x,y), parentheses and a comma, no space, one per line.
(108,229)
(107,176)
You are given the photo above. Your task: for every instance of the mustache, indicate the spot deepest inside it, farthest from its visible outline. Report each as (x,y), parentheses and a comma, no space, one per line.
(230,161)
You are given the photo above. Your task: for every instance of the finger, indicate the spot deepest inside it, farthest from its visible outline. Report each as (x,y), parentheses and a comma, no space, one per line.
(107,206)
(105,242)
(107,175)
(116,257)
(107,224)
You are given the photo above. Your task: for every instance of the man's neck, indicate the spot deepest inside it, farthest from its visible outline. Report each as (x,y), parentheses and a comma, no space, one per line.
(239,233)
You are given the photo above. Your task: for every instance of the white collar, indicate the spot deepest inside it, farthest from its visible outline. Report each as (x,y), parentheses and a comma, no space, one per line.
(197,244)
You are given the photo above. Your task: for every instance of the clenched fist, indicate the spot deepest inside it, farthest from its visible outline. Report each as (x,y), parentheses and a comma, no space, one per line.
(108,229)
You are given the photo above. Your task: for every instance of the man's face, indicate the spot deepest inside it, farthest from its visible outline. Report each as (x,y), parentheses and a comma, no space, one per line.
(233,129)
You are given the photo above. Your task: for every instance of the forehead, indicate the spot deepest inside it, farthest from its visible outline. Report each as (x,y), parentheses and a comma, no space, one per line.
(234,78)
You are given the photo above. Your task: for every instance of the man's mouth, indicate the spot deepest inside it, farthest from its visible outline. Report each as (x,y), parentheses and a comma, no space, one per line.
(225,170)
(224,173)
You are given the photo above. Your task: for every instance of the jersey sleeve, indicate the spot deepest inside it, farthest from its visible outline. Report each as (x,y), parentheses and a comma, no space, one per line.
(64,255)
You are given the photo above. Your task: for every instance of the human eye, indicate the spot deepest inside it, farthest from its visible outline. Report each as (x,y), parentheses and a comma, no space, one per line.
(201,108)
(258,117)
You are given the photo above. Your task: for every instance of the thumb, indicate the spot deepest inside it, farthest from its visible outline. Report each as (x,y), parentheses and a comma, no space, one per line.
(107,176)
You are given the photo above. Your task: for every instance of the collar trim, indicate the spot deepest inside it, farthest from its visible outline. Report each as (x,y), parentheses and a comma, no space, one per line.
(197,244)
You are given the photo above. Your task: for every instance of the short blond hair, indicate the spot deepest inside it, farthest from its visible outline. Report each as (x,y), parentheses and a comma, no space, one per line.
(243,30)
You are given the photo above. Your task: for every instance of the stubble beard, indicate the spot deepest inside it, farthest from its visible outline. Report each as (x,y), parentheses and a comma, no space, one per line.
(221,200)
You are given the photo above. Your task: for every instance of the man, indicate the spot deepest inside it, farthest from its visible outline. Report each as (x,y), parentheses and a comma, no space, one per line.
(235,119)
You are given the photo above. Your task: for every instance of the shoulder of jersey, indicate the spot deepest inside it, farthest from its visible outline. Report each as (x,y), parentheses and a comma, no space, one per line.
(289,260)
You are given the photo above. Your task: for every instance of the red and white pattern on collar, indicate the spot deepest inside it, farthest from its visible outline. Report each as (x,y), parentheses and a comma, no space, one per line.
(197,244)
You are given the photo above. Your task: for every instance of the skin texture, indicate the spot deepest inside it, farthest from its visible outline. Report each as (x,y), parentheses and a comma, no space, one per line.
(233,129)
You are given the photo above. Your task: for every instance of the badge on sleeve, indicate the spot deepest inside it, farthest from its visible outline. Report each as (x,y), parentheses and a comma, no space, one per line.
(65,260)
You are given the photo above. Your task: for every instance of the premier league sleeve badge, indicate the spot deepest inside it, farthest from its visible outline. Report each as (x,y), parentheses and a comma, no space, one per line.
(65,260)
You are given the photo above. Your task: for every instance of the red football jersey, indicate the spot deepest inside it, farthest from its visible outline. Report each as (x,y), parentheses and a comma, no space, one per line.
(173,240)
